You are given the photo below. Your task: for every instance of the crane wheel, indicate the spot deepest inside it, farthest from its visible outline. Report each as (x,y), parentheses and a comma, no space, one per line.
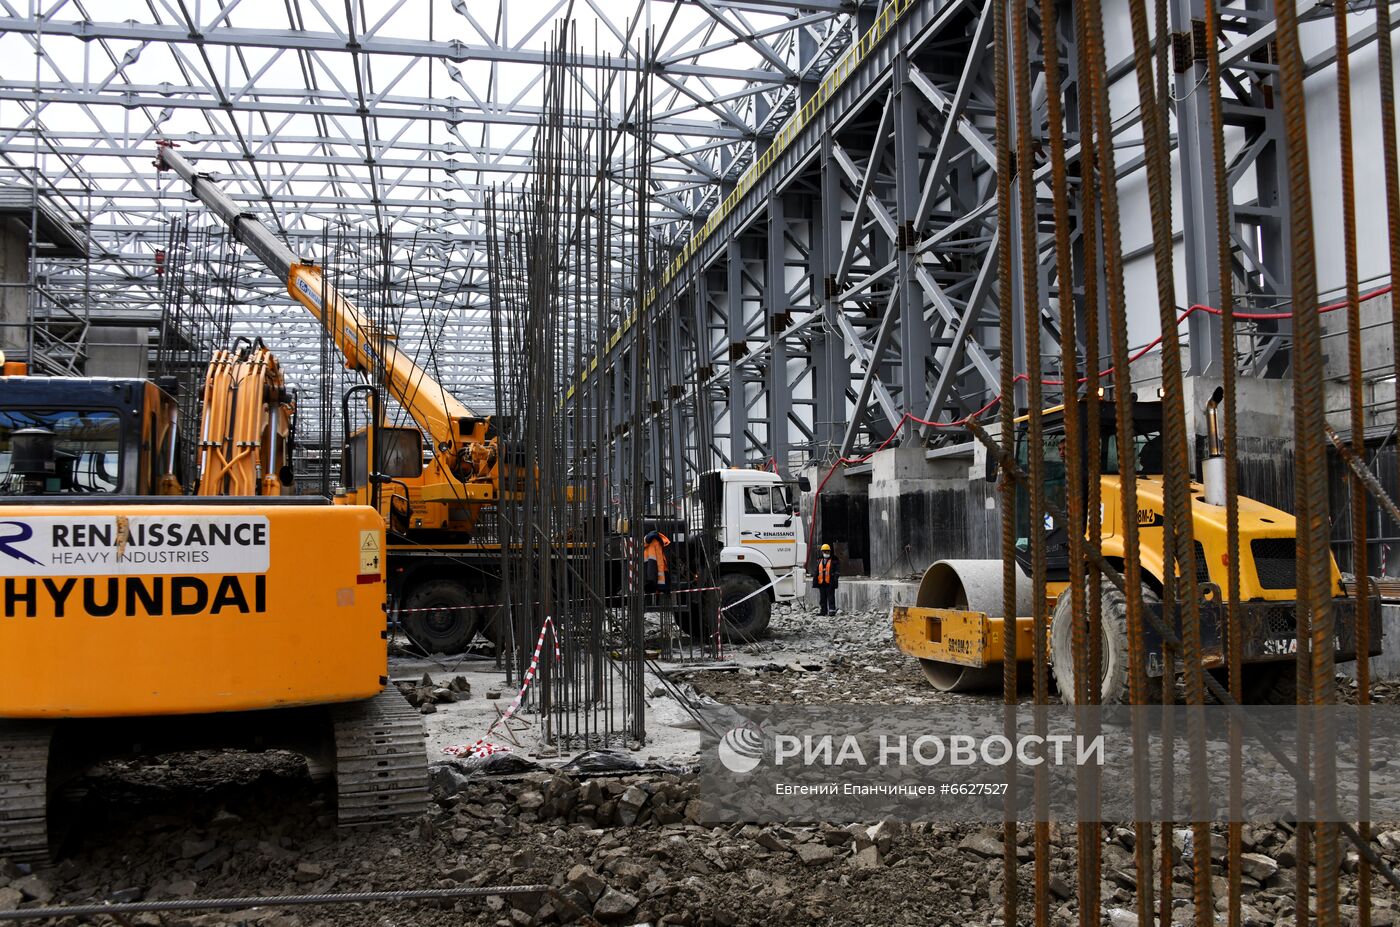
(745,621)
(1113,651)
(441,616)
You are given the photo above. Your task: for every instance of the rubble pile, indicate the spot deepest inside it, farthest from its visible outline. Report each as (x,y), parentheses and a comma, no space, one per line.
(426,695)
(798,627)
(616,843)
(625,850)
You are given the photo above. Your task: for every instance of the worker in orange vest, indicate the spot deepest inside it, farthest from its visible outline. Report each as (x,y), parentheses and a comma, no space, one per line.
(654,557)
(827,579)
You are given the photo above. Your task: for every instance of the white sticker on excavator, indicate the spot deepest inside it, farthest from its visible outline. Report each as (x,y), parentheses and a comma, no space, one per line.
(115,545)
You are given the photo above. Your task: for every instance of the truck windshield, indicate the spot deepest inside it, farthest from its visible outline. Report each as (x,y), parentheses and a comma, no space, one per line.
(87,450)
(765,500)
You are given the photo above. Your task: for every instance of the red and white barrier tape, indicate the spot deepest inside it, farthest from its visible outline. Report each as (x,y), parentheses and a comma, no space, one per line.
(466,608)
(483,748)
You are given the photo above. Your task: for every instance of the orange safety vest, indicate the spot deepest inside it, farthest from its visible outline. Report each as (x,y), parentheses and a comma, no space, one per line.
(656,550)
(824,571)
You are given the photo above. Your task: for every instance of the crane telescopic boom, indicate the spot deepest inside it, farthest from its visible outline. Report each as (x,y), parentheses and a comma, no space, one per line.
(458,435)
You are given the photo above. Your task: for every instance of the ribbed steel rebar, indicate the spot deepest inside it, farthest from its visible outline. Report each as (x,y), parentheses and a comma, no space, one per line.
(267,901)
(1006,485)
(1035,437)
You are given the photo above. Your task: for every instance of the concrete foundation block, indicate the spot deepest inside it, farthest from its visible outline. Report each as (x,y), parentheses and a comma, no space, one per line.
(859,595)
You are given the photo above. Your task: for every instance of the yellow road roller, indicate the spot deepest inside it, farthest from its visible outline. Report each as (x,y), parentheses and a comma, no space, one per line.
(957,631)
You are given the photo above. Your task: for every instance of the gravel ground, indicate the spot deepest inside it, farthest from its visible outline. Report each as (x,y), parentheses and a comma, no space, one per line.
(189,828)
(626,849)
(811,659)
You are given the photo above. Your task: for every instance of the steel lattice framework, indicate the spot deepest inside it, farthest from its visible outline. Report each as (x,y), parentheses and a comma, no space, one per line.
(388,118)
(853,284)
(821,183)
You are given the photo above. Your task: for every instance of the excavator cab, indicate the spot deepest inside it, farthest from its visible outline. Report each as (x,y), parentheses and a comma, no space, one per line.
(93,436)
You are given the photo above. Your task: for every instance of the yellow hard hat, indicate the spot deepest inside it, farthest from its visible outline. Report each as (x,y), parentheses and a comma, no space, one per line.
(826,547)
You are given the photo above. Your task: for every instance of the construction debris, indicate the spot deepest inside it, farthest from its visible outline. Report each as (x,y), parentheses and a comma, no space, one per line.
(662,866)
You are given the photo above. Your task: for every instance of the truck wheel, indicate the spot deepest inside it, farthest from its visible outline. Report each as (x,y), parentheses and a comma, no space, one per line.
(698,617)
(1273,683)
(491,614)
(1113,650)
(744,622)
(438,617)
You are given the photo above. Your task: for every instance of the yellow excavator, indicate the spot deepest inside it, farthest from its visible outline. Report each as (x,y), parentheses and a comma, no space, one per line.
(441,567)
(957,629)
(137,620)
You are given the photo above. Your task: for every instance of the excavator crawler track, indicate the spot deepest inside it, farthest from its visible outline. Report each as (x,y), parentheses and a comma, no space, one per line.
(381,760)
(24,789)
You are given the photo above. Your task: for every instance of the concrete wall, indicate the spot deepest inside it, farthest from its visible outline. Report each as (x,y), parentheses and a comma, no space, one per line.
(863,595)
(923,510)
(839,517)
(1387,665)
(117,352)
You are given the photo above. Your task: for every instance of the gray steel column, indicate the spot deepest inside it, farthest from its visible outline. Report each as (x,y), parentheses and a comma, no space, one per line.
(618,417)
(676,407)
(779,315)
(914,332)
(1011,241)
(1259,225)
(734,329)
(832,367)
(1200,241)
(653,369)
(704,349)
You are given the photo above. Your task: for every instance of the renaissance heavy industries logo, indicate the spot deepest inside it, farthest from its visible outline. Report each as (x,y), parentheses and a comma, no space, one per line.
(98,565)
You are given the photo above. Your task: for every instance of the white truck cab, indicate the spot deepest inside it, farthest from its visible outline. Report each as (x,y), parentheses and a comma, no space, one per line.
(754,520)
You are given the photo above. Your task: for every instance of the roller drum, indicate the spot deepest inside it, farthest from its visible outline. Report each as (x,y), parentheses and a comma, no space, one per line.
(969,585)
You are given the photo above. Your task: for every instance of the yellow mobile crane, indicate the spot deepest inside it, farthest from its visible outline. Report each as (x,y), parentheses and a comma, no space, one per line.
(442,572)
(431,510)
